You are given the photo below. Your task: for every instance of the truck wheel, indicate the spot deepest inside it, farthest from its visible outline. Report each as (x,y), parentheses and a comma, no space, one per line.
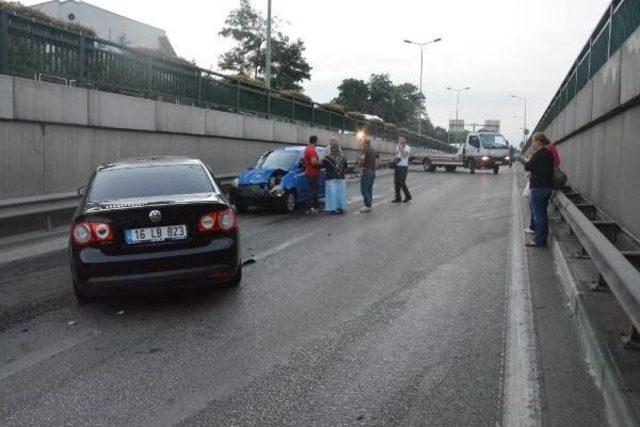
(450,168)
(426,165)
(496,169)
(472,166)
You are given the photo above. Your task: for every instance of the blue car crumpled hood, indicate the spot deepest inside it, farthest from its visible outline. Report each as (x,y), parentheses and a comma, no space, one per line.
(256,176)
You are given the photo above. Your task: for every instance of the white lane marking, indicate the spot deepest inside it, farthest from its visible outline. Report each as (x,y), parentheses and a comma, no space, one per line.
(282,246)
(521,398)
(39,356)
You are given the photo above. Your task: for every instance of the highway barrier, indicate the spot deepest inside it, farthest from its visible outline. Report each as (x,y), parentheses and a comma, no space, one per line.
(613,250)
(31,48)
(45,212)
(619,22)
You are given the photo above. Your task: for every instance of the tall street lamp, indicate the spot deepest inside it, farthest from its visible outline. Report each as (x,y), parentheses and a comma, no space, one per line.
(422,45)
(267,68)
(457,91)
(525,131)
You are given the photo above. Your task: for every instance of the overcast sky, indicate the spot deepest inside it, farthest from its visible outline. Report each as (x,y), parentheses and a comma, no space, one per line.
(497,47)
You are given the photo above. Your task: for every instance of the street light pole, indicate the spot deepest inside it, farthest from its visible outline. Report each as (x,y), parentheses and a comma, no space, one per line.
(422,45)
(267,68)
(421,93)
(458,91)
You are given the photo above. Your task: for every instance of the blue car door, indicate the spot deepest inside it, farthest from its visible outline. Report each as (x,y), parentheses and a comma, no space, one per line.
(301,183)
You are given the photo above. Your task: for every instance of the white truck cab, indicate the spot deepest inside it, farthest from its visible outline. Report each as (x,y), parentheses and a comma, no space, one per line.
(481,150)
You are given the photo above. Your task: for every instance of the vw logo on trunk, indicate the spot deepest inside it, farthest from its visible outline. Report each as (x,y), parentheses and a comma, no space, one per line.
(155,216)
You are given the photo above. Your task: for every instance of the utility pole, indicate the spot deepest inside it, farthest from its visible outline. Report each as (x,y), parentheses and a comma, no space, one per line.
(457,91)
(267,67)
(422,45)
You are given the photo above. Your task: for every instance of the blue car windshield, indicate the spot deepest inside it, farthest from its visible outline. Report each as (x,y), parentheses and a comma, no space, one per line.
(280,159)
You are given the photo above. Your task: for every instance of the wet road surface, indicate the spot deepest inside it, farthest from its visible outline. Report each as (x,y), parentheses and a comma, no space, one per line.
(397,316)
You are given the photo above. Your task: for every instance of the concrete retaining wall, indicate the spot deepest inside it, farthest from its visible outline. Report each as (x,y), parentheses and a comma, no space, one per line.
(53,136)
(602,161)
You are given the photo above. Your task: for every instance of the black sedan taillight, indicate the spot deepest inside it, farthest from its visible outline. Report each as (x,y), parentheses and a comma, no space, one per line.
(219,221)
(87,232)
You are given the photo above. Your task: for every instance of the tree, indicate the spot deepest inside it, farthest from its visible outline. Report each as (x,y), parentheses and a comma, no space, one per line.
(401,104)
(288,66)
(247,27)
(353,94)
(380,93)
(406,105)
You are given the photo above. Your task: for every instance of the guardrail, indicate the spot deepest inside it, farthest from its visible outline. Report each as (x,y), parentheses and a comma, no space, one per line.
(49,205)
(620,20)
(613,250)
(32,48)
(38,205)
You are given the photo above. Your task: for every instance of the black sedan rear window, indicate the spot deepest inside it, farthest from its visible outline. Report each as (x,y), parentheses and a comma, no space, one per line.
(149,181)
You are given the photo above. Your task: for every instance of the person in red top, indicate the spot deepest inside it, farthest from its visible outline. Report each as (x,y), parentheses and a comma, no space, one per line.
(312,173)
(554,152)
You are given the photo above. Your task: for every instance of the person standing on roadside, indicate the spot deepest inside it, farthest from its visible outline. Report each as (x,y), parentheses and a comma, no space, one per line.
(401,170)
(335,165)
(312,173)
(512,153)
(540,166)
(369,162)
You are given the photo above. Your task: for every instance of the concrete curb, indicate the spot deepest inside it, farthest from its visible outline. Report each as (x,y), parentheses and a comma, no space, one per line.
(603,369)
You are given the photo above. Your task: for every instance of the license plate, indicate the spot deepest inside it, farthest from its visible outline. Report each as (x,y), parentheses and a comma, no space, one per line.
(166,233)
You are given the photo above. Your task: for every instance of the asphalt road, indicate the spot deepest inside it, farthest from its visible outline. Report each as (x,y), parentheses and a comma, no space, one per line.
(392,317)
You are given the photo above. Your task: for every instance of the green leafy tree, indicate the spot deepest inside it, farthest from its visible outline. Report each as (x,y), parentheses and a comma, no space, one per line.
(353,94)
(247,27)
(288,66)
(401,104)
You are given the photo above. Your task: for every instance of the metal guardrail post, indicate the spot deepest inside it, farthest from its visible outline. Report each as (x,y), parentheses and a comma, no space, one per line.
(148,75)
(4,43)
(237,96)
(82,61)
(199,89)
(268,104)
(618,273)
(293,111)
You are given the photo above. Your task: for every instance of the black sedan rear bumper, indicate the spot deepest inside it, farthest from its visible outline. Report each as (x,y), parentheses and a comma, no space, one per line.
(98,274)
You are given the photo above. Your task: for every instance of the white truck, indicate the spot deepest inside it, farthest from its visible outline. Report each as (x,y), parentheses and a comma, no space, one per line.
(481,150)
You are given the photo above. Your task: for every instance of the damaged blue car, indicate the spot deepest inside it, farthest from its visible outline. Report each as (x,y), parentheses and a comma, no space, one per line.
(276,181)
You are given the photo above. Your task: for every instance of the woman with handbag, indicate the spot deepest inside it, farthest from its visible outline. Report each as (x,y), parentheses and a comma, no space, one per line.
(541,169)
(335,165)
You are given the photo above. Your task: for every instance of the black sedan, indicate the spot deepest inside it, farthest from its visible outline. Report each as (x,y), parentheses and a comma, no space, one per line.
(152,224)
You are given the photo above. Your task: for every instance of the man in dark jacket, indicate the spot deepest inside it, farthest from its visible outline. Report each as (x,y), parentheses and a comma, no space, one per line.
(540,167)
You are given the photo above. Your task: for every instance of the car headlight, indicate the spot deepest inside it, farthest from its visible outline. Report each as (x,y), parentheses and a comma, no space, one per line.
(486,158)
(235,182)
(277,191)
(507,158)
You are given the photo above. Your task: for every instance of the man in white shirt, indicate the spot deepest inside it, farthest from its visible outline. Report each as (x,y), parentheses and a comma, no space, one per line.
(403,151)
